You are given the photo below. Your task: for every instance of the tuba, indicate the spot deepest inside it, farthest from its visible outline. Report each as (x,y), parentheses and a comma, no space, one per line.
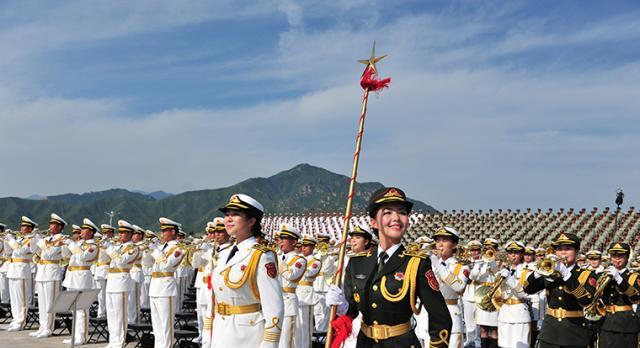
(488,298)
(595,310)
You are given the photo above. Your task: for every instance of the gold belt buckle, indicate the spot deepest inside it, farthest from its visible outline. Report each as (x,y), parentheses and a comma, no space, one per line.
(223,308)
(380,332)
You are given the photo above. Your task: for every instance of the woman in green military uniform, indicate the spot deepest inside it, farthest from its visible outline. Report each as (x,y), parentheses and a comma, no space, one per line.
(620,325)
(569,289)
(385,283)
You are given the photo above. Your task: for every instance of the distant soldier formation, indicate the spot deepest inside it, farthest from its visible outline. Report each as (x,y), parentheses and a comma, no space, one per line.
(238,285)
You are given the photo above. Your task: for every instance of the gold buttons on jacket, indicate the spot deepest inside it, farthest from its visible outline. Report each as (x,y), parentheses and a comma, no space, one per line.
(374,305)
(375,288)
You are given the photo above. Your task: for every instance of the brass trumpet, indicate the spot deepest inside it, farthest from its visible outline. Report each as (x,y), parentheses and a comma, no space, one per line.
(547,265)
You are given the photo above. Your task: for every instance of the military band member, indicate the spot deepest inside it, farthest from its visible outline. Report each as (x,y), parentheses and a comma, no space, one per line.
(137,277)
(102,268)
(360,239)
(620,326)
(163,289)
(84,254)
(19,273)
(568,290)
(323,280)
(514,316)
(146,269)
(50,274)
(181,274)
(248,295)
(201,258)
(452,276)
(484,274)
(75,232)
(291,268)
(5,255)
(123,255)
(384,285)
(594,260)
(472,334)
(305,293)
(537,307)
(222,242)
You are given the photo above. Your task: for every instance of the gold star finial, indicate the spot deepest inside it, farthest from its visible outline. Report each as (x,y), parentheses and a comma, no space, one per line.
(373,59)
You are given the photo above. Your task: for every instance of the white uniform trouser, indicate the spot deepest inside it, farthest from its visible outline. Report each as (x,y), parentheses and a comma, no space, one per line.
(81,325)
(133,303)
(162,317)
(4,288)
(455,338)
(20,297)
(102,298)
(47,292)
(208,324)
(287,336)
(117,318)
(144,293)
(321,312)
(513,335)
(471,329)
(422,327)
(304,329)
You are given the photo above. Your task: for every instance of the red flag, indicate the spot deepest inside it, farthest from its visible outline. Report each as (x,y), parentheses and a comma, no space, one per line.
(370,80)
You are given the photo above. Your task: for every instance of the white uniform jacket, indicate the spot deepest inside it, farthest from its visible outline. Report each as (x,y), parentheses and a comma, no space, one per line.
(291,269)
(51,251)
(452,277)
(123,256)
(515,308)
(83,255)
(305,285)
(102,264)
(21,258)
(165,260)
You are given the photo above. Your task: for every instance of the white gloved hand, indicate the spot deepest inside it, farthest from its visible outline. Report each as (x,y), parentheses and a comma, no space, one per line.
(434,261)
(335,297)
(563,270)
(504,273)
(615,274)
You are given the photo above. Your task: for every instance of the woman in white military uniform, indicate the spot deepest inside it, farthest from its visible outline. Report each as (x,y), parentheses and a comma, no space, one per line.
(102,268)
(472,335)
(118,286)
(163,289)
(84,254)
(452,277)
(50,273)
(306,295)
(483,274)
(249,308)
(201,258)
(514,316)
(291,267)
(19,273)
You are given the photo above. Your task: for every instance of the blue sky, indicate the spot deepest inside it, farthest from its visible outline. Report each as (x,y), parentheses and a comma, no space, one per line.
(492,105)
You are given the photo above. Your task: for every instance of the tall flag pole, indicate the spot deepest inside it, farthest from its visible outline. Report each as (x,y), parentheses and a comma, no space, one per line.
(370,83)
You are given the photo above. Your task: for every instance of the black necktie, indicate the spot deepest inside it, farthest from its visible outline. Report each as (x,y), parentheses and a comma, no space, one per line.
(234,250)
(382,259)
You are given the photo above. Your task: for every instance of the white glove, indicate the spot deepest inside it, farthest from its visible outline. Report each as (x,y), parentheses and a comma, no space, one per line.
(615,274)
(434,261)
(504,273)
(563,270)
(335,297)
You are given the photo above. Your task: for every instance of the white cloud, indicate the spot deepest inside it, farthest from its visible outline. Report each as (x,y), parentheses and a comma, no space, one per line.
(454,131)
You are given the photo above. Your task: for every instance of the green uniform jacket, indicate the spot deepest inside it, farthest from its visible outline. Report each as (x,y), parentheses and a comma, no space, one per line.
(624,294)
(571,295)
(386,305)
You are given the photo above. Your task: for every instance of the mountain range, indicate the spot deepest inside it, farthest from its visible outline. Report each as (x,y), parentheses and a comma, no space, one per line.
(299,190)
